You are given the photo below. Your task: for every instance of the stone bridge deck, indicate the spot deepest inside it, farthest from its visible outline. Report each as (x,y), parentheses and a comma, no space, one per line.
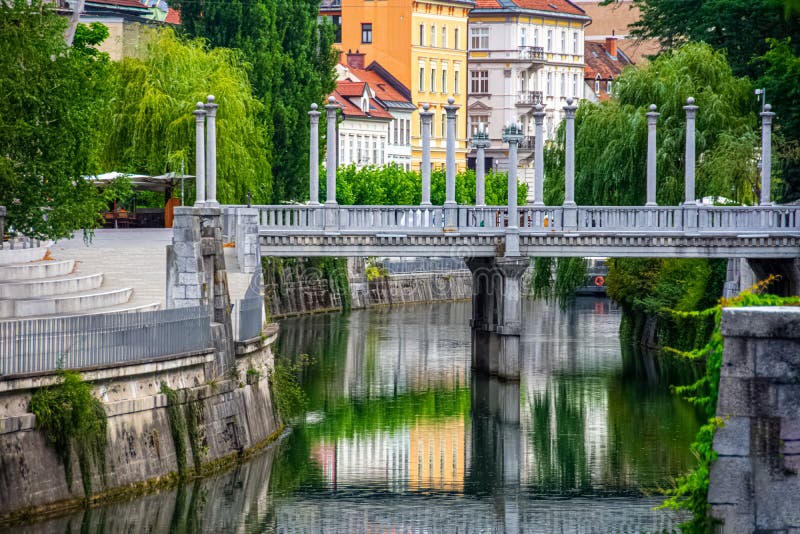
(677,231)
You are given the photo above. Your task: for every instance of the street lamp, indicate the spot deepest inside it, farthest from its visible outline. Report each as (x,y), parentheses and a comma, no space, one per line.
(763,93)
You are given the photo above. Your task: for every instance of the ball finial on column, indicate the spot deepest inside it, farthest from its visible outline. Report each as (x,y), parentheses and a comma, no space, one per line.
(569,101)
(451,100)
(210,99)
(331,100)
(690,101)
(426,106)
(652,107)
(767,107)
(313,107)
(200,105)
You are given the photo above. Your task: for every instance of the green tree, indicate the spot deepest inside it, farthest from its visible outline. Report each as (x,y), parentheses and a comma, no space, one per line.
(291,63)
(49,115)
(612,137)
(151,128)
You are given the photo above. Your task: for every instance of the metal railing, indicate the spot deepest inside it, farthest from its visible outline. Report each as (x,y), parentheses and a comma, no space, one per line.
(531,53)
(41,345)
(247,318)
(529,98)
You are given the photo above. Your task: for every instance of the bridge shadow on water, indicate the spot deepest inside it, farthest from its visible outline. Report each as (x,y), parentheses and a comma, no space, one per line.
(401,435)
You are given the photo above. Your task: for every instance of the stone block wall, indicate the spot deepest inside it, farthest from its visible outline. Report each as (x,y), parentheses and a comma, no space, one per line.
(755,482)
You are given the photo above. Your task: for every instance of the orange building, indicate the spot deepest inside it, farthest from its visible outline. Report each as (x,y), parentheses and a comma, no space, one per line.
(424,45)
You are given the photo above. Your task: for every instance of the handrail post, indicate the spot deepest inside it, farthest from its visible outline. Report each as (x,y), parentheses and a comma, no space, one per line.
(211,151)
(450,205)
(331,206)
(200,155)
(766,154)
(570,211)
(652,119)
(426,118)
(313,157)
(690,202)
(480,142)
(512,134)
(538,156)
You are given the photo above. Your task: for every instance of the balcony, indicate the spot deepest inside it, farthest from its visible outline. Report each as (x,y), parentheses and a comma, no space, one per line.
(527,143)
(531,53)
(529,98)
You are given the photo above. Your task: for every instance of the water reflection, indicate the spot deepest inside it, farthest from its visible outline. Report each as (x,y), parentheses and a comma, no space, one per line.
(402,437)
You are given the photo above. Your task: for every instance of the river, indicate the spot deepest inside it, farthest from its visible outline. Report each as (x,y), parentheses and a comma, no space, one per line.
(400,436)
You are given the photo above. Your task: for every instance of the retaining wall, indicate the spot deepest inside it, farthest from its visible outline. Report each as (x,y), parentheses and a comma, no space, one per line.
(754,484)
(234,414)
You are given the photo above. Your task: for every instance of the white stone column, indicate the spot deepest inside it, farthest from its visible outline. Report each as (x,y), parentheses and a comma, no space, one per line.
(570,208)
(331,206)
(451,213)
(766,154)
(313,157)
(691,114)
(512,135)
(200,155)
(211,151)
(480,141)
(426,117)
(652,119)
(538,156)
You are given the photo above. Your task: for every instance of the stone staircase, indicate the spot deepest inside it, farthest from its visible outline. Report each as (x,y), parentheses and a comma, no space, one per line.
(33,284)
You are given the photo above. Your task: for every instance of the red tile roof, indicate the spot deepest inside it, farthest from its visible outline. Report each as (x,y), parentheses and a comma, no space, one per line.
(599,62)
(383,90)
(555,6)
(345,91)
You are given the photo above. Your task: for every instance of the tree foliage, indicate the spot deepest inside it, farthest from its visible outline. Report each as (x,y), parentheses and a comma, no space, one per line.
(291,62)
(151,128)
(48,121)
(611,141)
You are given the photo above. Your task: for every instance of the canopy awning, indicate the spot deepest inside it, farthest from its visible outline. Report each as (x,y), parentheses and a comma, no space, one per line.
(141,182)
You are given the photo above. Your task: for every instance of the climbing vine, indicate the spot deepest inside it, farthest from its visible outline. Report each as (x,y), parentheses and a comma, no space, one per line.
(290,399)
(69,415)
(177,426)
(691,489)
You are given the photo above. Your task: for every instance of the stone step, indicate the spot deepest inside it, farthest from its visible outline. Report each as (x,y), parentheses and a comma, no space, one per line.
(23,255)
(77,304)
(33,289)
(36,270)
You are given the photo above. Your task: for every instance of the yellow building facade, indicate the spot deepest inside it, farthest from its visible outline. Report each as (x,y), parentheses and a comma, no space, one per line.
(424,45)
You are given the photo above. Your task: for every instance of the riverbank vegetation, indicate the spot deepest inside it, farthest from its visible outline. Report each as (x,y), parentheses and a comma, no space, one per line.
(72,419)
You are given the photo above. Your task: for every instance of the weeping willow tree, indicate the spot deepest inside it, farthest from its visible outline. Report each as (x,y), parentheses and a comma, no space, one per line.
(151,128)
(611,143)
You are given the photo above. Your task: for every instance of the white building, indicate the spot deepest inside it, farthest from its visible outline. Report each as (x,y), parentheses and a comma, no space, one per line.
(522,53)
(383,117)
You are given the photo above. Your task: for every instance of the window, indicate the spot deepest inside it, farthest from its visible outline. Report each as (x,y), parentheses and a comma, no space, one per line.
(549,91)
(421,79)
(366,32)
(433,127)
(475,121)
(408,131)
(352,149)
(374,151)
(433,35)
(337,28)
(444,79)
(456,89)
(536,37)
(575,43)
(358,154)
(608,87)
(549,40)
(422,35)
(479,81)
(563,42)
(455,38)
(444,125)
(433,79)
(444,36)
(563,85)
(522,36)
(480,38)
(597,85)
(575,85)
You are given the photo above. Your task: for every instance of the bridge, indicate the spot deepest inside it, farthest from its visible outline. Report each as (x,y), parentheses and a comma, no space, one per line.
(497,240)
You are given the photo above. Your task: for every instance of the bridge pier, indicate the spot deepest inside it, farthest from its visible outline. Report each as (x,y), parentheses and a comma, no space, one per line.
(497,315)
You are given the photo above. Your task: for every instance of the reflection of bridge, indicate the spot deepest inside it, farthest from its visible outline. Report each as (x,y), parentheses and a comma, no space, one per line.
(498,239)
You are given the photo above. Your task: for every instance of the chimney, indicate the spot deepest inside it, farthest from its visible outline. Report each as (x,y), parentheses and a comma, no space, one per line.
(355,60)
(611,45)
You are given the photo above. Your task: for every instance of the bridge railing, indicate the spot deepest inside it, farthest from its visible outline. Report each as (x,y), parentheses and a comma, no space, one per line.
(630,219)
(391,218)
(772,219)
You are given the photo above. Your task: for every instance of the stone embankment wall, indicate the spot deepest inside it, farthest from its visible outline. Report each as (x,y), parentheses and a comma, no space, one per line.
(222,418)
(755,482)
(298,286)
